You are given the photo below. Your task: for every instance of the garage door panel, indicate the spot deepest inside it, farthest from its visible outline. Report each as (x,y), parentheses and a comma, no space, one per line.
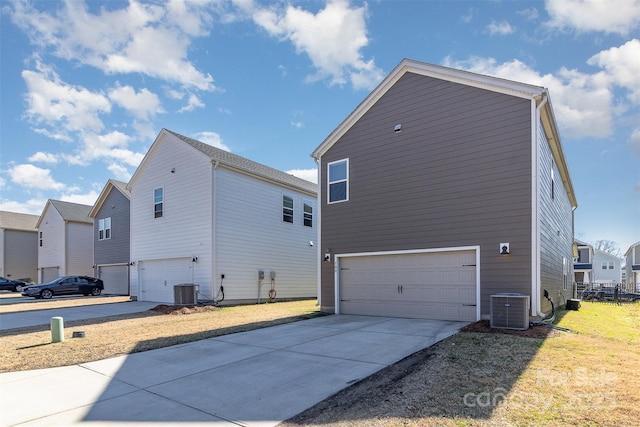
(115,278)
(433,285)
(158,277)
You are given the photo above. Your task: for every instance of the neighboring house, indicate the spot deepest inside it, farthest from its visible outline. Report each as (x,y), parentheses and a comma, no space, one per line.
(583,264)
(607,268)
(65,240)
(632,268)
(111,237)
(201,215)
(19,245)
(441,189)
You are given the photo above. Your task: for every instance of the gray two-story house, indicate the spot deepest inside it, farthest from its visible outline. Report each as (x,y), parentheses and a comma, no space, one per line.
(441,189)
(112,237)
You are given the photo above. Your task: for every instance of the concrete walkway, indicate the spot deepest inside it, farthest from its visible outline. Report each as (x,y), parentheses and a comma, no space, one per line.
(256,378)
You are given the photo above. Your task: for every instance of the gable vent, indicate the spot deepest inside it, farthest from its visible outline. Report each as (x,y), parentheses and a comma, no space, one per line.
(510,311)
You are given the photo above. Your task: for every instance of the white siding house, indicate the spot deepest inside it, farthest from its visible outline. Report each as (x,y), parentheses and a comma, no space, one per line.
(632,257)
(201,215)
(65,240)
(606,268)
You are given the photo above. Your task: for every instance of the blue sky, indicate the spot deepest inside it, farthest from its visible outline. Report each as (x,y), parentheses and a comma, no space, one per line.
(87,86)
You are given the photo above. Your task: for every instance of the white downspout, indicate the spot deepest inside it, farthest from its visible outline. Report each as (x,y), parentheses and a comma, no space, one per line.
(214,255)
(535,229)
(319,239)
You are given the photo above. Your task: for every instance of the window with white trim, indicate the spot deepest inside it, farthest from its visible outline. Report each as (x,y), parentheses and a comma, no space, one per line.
(287,208)
(158,202)
(553,181)
(608,265)
(307,213)
(338,181)
(104,228)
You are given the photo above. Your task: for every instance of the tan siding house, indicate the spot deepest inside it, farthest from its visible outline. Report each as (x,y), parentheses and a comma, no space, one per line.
(422,185)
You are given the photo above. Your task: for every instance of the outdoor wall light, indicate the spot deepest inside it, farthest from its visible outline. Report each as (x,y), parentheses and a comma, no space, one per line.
(398,128)
(327,256)
(132,263)
(194,259)
(504,249)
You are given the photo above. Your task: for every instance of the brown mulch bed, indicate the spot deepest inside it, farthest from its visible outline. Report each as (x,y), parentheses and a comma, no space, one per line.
(537,331)
(183,309)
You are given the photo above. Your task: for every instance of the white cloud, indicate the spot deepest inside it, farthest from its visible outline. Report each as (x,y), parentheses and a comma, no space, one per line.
(608,16)
(502,28)
(31,206)
(149,39)
(61,105)
(30,176)
(143,104)
(119,172)
(308,174)
(84,199)
(333,39)
(530,14)
(622,66)
(41,157)
(583,103)
(211,138)
(192,103)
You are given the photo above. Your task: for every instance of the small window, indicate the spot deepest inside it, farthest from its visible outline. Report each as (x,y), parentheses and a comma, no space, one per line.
(308,213)
(158,201)
(104,228)
(41,239)
(611,265)
(604,265)
(338,181)
(553,181)
(287,209)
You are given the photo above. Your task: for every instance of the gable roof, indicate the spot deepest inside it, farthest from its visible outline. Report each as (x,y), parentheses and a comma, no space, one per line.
(495,84)
(18,221)
(70,212)
(233,161)
(631,248)
(110,185)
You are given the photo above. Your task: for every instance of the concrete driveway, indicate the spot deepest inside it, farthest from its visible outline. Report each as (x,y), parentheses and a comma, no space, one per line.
(256,378)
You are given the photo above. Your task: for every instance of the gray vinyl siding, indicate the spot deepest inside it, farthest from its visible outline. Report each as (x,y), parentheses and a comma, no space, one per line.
(21,254)
(116,249)
(459,174)
(556,231)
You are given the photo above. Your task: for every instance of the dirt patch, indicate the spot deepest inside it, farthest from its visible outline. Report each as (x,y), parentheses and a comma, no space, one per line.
(537,331)
(177,310)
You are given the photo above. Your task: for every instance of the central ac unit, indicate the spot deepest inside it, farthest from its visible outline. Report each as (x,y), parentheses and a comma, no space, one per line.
(510,311)
(185,294)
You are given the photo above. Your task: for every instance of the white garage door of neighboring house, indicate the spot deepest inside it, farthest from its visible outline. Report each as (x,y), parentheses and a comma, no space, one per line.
(424,285)
(49,274)
(115,278)
(157,278)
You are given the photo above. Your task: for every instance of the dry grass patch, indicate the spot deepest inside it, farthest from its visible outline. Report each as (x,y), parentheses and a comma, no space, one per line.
(31,347)
(588,377)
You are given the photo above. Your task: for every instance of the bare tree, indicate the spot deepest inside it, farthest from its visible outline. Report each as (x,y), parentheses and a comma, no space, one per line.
(608,246)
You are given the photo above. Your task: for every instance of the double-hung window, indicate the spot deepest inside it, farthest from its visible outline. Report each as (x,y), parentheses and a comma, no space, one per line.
(158,202)
(308,213)
(287,208)
(338,181)
(104,228)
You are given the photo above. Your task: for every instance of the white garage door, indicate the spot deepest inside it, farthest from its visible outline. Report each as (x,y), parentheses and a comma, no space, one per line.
(427,285)
(115,278)
(157,278)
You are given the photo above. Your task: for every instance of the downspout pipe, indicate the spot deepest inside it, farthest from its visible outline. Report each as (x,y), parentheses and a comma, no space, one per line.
(214,255)
(535,294)
(319,237)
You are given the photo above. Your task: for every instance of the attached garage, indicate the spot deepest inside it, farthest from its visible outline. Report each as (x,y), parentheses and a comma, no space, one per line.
(428,284)
(158,277)
(49,273)
(115,278)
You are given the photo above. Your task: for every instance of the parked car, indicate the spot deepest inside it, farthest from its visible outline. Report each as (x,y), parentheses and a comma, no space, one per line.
(11,285)
(67,285)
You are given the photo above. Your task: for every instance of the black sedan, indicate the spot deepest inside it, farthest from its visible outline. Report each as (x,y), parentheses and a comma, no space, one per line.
(67,285)
(11,285)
